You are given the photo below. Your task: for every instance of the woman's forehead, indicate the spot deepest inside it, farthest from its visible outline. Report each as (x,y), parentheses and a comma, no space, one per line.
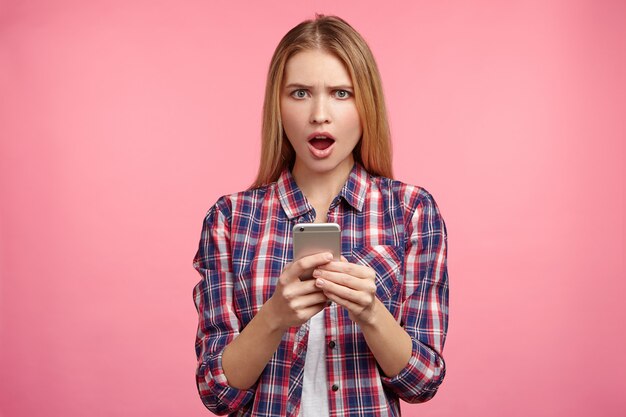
(315,67)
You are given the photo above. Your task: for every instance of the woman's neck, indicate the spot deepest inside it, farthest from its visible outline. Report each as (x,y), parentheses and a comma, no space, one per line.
(321,188)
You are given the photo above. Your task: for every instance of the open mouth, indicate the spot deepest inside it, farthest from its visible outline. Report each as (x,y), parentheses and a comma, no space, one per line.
(321,142)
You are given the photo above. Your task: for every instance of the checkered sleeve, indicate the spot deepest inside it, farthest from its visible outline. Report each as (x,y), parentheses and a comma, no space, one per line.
(425,306)
(218,323)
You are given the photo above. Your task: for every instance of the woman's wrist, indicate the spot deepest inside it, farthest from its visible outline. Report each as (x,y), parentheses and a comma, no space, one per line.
(271,318)
(370,318)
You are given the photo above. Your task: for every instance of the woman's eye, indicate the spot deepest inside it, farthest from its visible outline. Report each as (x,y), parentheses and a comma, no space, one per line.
(299,94)
(342,94)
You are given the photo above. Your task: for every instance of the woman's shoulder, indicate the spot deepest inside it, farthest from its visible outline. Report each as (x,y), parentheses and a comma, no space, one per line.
(245,200)
(419,205)
(410,195)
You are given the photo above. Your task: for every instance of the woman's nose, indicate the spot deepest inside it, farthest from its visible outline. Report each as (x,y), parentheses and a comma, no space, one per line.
(320,112)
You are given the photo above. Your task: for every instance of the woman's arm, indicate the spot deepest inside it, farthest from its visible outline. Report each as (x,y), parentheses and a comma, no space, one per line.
(230,357)
(353,286)
(292,304)
(409,355)
(218,324)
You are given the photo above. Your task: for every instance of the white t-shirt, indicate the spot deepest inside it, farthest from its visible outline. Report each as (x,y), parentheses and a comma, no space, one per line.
(314,401)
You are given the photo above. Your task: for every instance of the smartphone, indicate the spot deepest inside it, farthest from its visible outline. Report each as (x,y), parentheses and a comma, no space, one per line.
(312,238)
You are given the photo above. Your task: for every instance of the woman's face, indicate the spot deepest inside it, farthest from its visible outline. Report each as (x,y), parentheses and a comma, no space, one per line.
(319,113)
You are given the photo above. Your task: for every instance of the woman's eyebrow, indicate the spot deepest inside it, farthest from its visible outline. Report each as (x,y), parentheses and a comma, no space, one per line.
(297,85)
(309,87)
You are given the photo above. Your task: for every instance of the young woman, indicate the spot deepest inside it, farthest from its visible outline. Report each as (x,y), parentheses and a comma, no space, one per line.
(367,330)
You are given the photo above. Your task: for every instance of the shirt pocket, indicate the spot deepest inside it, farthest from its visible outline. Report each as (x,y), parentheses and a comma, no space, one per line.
(388,262)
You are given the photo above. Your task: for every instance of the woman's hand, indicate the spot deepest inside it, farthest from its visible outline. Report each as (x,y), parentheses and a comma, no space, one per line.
(350,285)
(295,301)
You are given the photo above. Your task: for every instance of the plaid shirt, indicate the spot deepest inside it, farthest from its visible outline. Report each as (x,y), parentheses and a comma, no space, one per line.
(246,240)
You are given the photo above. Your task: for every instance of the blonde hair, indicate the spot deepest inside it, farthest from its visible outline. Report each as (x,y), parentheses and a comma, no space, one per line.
(334,35)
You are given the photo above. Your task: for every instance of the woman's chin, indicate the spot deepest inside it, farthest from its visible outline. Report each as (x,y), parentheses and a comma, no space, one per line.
(324,167)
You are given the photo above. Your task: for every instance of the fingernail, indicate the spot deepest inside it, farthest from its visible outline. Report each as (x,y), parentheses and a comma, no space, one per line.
(319,282)
(316,273)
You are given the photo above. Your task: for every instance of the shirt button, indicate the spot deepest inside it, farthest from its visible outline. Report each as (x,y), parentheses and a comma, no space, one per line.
(331,344)
(335,387)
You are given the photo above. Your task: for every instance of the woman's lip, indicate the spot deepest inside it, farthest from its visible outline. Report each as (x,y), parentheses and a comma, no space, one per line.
(320,153)
(316,134)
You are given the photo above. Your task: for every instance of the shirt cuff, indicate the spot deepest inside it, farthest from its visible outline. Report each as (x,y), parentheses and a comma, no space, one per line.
(419,379)
(217,395)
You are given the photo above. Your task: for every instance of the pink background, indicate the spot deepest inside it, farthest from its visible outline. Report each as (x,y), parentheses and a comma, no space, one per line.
(121,122)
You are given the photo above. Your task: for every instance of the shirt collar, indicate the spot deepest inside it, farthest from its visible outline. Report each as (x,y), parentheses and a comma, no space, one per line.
(355,188)
(295,203)
(291,198)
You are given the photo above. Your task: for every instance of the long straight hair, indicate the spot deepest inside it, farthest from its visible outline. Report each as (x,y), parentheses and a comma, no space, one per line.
(334,35)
